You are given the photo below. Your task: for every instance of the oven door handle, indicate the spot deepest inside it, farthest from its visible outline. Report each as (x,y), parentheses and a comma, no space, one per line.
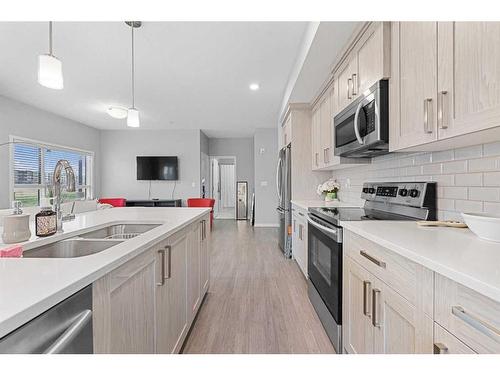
(356,121)
(322,227)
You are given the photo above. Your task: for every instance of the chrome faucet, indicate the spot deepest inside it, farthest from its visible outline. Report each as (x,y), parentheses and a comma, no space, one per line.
(56,182)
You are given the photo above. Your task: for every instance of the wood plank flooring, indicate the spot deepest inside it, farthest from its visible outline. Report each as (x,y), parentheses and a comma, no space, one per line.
(257,301)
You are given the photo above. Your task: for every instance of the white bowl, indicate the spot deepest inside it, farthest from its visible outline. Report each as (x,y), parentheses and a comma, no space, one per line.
(484,226)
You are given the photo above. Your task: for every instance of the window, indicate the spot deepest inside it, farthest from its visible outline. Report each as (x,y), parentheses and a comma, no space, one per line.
(32,168)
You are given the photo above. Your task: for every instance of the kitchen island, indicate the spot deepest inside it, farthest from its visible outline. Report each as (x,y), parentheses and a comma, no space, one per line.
(30,286)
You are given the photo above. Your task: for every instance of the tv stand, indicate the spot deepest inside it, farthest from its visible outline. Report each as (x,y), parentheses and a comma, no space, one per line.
(154,203)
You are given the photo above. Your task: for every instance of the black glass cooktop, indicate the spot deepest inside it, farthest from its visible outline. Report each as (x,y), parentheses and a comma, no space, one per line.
(334,215)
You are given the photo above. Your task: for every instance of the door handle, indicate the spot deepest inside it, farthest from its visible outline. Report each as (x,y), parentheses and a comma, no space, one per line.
(316,155)
(372,259)
(169,264)
(349,83)
(476,323)
(356,120)
(366,298)
(427,115)
(69,334)
(443,115)
(440,348)
(375,303)
(162,255)
(326,159)
(354,84)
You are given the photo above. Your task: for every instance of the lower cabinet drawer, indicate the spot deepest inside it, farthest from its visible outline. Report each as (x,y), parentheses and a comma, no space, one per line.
(446,343)
(468,315)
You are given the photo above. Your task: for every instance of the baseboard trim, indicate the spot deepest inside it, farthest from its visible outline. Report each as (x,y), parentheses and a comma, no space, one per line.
(264,225)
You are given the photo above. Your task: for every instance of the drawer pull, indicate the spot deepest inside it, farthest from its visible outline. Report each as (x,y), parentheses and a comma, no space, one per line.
(476,323)
(375,294)
(366,298)
(440,348)
(372,259)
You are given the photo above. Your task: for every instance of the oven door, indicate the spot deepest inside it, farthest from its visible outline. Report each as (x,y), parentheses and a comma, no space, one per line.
(325,263)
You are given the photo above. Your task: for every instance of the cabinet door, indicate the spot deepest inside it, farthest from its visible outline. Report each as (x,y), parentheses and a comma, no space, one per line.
(315,138)
(300,242)
(193,269)
(469,70)
(346,90)
(124,308)
(326,131)
(399,328)
(205,255)
(356,309)
(413,88)
(446,343)
(373,57)
(171,295)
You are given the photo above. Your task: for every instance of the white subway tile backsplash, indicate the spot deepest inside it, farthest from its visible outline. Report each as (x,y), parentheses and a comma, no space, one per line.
(454,192)
(469,152)
(484,194)
(468,179)
(455,167)
(490,149)
(491,178)
(484,164)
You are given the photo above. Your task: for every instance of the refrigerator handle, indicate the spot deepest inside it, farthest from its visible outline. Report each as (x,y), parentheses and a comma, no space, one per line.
(278,182)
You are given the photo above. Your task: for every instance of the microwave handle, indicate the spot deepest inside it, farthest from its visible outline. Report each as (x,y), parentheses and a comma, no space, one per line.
(356,129)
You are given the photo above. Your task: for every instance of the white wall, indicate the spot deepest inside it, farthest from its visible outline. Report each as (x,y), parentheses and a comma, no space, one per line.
(119,149)
(266,199)
(468,179)
(25,121)
(242,148)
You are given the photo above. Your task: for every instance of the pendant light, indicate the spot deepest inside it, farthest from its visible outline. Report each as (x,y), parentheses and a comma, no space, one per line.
(133,114)
(50,68)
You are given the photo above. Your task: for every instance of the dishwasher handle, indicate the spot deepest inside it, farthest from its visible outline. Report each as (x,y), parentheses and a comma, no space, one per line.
(80,321)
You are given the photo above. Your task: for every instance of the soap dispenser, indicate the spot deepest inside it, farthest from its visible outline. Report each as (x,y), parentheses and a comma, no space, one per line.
(16,227)
(46,219)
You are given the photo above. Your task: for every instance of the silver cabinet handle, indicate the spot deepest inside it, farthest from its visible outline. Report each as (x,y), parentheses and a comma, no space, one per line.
(162,255)
(427,115)
(349,83)
(301,214)
(476,323)
(372,259)
(325,155)
(69,334)
(316,155)
(354,84)
(169,264)
(366,298)
(294,226)
(375,303)
(440,348)
(442,112)
(300,232)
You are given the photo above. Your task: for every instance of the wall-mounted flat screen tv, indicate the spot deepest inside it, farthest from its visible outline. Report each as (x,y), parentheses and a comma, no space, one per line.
(157,168)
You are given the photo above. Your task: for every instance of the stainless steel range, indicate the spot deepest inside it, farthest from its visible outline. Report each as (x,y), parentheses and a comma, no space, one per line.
(383,201)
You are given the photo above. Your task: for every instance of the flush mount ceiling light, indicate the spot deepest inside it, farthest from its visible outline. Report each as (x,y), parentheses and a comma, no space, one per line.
(117,112)
(50,68)
(133,114)
(254,86)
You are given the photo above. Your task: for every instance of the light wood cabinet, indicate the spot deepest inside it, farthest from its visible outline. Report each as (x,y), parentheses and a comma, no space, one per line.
(347,80)
(194,238)
(286,133)
(205,255)
(299,238)
(124,308)
(316,138)
(441,93)
(326,123)
(171,294)
(446,343)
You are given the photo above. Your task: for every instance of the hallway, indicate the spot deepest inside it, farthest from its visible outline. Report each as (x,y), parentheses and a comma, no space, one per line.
(257,301)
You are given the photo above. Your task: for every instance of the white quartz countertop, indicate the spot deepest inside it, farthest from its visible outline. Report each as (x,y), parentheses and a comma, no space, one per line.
(305,204)
(457,254)
(30,286)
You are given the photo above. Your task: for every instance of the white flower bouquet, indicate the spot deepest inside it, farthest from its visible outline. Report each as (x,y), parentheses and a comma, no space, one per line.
(330,188)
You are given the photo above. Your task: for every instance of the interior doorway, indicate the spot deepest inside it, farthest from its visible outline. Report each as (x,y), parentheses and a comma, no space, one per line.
(223,186)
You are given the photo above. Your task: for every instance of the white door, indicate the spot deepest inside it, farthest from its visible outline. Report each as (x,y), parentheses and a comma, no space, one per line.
(215,193)
(227,186)
(205,175)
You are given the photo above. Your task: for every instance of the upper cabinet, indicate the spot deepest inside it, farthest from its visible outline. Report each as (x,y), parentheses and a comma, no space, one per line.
(441,90)
(366,63)
(286,133)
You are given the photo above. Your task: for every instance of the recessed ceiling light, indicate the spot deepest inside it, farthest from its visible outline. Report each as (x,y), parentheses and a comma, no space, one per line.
(254,86)
(117,112)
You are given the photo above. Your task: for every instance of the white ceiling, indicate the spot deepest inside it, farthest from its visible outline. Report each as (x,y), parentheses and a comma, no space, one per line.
(189,75)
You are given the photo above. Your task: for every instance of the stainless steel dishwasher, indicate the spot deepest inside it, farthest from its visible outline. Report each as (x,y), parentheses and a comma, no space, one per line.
(65,328)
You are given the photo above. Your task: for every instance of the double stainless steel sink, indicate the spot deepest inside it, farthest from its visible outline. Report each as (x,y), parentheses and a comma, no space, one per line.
(91,242)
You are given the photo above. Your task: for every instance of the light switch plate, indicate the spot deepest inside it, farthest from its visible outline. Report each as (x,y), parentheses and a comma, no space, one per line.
(263,183)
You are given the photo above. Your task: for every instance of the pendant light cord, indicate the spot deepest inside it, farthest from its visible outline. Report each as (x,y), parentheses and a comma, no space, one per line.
(50,38)
(133,70)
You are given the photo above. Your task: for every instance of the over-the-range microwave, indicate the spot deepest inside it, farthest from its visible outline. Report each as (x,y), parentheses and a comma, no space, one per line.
(362,129)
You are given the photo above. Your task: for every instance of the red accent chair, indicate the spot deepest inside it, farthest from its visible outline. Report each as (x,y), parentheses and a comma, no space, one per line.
(203,202)
(115,202)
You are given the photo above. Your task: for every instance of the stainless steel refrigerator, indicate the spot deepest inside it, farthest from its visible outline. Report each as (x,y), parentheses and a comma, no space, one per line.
(284,190)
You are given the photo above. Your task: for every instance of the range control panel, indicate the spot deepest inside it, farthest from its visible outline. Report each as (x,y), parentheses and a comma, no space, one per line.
(415,194)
